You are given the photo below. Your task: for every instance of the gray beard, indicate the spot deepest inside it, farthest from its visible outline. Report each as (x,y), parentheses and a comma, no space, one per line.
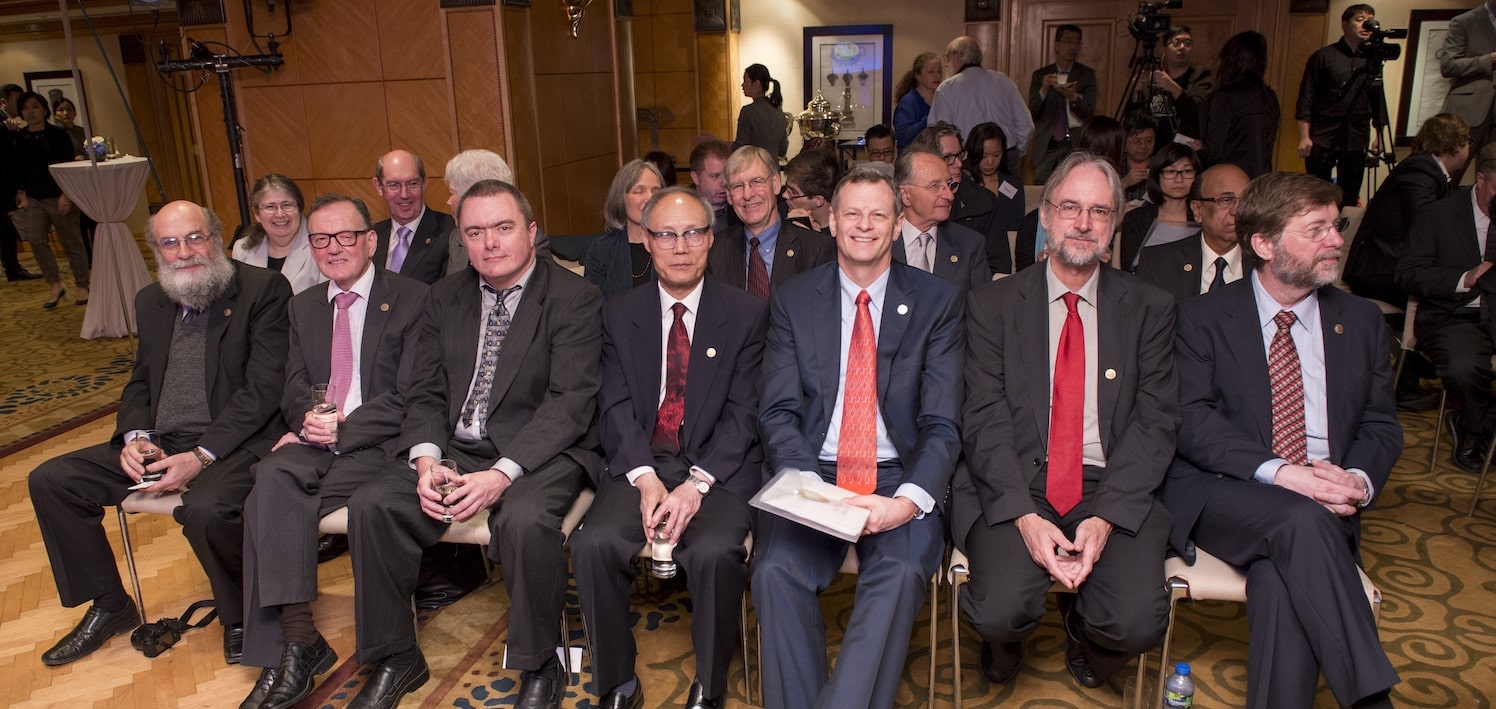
(197,291)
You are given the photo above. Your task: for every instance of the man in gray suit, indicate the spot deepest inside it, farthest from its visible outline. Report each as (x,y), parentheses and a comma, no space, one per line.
(510,351)
(357,333)
(925,239)
(1467,60)
(1062,95)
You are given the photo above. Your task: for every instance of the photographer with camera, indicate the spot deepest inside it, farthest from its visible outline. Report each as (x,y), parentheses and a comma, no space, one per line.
(1335,108)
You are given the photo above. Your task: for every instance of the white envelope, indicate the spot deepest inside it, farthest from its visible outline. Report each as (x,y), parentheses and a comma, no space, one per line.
(805,498)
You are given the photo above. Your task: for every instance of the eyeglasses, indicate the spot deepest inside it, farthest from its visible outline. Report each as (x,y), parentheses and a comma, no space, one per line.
(954,158)
(756,184)
(1170,173)
(791,193)
(1180,43)
(883,153)
(1227,202)
(408,185)
(937,186)
(1071,210)
(667,239)
(193,241)
(345,238)
(287,207)
(1318,233)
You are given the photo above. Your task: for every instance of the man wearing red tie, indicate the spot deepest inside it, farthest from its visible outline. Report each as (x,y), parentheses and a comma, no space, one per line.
(1069,423)
(861,383)
(763,250)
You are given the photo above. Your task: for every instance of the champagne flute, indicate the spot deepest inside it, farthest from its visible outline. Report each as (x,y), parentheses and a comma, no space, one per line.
(445,477)
(324,409)
(150,452)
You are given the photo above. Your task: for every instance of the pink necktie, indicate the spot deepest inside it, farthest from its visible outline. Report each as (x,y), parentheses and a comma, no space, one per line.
(402,245)
(342,349)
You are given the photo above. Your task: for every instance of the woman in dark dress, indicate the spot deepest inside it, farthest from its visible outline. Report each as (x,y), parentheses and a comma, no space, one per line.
(1171,181)
(617,261)
(1240,120)
(38,145)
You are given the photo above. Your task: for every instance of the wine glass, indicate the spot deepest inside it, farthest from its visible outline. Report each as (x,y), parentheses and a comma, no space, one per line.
(324,409)
(445,477)
(150,452)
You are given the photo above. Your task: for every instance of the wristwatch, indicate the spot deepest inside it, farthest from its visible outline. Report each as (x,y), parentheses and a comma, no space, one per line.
(700,483)
(203,458)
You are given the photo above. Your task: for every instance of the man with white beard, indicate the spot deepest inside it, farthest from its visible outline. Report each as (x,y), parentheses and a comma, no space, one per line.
(207,382)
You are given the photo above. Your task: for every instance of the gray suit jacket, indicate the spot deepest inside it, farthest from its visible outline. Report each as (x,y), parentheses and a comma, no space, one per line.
(960,256)
(387,362)
(1005,424)
(544,398)
(1465,59)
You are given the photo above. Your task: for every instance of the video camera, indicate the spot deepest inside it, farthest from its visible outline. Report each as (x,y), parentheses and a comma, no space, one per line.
(1376,46)
(1148,24)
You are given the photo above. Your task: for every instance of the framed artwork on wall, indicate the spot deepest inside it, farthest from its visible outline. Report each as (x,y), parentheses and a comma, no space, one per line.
(55,85)
(1423,87)
(852,66)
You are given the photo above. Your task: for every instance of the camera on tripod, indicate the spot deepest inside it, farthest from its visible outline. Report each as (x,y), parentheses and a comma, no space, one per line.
(1376,47)
(1148,24)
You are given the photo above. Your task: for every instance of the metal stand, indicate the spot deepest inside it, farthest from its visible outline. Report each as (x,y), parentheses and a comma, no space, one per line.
(1140,84)
(1376,95)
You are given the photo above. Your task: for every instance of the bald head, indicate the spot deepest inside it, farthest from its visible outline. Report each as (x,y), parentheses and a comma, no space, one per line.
(963,52)
(400,178)
(1223,182)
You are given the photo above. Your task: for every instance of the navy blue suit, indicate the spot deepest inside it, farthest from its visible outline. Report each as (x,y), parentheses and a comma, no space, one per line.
(920,357)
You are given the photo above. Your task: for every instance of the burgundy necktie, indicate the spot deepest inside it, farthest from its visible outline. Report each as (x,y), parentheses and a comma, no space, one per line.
(758,272)
(673,407)
(1290,441)
(342,349)
(1067,413)
(857,442)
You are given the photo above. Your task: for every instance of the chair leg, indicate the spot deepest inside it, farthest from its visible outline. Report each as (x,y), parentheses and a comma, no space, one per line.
(1480,483)
(934,616)
(1137,692)
(124,533)
(1433,455)
(958,578)
(1178,588)
(747,660)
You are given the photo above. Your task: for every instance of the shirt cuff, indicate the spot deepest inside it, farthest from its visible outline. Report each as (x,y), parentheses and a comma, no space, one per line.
(208,453)
(510,468)
(918,496)
(1267,473)
(1459,286)
(636,473)
(710,479)
(1371,490)
(424,450)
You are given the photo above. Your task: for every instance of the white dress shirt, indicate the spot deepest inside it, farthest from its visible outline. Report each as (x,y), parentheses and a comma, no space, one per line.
(1482,223)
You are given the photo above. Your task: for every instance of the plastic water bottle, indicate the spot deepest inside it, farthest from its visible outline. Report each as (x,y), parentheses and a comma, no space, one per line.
(1179,690)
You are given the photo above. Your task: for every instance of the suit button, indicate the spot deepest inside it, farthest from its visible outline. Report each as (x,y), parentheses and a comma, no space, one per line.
(1037,463)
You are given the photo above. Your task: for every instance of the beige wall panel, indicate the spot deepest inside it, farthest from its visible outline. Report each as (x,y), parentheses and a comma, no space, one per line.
(342,147)
(420,121)
(677,142)
(238,37)
(588,182)
(475,71)
(555,216)
(667,6)
(524,105)
(674,39)
(1305,36)
(623,84)
(338,41)
(644,92)
(437,194)
(279,126)
(557,52)
(713,89)
(677,91)
(362,189)
(557,143)
(643,42)
(410,41)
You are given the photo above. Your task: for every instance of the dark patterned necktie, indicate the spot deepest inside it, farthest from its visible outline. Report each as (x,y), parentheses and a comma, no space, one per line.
(1067,411)
(673,407)
(758,271)
(1290,442)
(495,327)
(857,440)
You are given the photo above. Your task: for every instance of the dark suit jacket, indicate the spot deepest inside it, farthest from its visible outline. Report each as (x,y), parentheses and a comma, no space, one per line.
(1173,268)
(920,350)
(990,216)
(608,263)
(1379,244)
(1239,124)
(544,398)
(426,260)
(796,251)
(1226,399)
(387,362)
(1039,108)
(1441,248)
(960,255)
(720,429)
(245,356)
(1006,419)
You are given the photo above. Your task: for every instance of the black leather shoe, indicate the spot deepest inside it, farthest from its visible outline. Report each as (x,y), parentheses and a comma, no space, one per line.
(698,700)
(540,689)
(299,667)
(1001,662)
(1075,654)
(614,700)
(21,275)
(261,689)
(390,682)
(331,546)
(96,627)
(233,643)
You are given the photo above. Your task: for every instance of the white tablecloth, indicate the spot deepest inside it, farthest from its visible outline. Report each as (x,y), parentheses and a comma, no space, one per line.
(108,192)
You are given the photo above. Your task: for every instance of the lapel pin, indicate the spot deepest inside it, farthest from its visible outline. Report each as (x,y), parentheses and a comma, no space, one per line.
(711,352)
(955,258)
(384,307)
(1111,373)
(1339,329)
(228,311)
(903,309)
(790,253)
(1189,267)
(428,239)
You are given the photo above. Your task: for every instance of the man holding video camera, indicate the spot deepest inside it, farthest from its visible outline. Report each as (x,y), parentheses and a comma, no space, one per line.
(1334,110)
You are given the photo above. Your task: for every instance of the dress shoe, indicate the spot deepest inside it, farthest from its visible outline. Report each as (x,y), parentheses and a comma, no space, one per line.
(97,626)
(1075,653)
(540,689)
(391,681)
(299,667)
(1001,662)
(233,643)
(615,700)
(331,546)
(261,689)
(53,302)
(21,275)
(697,699)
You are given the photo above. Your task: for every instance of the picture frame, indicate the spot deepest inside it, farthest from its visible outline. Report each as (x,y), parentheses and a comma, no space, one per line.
(52,84)
(1423,87)
(852,66)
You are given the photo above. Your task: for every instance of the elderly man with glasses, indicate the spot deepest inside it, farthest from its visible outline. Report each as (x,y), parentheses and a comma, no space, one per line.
(764,250)
(1192,266)
(928,239)
(413,241)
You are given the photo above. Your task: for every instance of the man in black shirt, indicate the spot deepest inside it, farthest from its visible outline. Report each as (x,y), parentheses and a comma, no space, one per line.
(1334,109)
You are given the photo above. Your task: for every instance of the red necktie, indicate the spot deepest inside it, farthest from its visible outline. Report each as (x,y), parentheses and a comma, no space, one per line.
(857,443)
(1067,413)
(758,272)
(1290,441)
(673,408)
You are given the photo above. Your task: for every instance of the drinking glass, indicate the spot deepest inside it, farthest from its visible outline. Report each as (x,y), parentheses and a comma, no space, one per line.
(150,453)
(324,408)
(445,477)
